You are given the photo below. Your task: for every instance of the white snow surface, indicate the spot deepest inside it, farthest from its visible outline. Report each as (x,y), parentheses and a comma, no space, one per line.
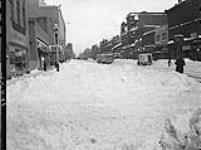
(90,106)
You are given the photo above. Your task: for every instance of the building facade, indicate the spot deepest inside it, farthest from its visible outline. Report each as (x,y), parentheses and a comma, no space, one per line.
(50,18)
(17,37)
(138,31)
(161,42)
(39,45)
(36,9)
(185,19)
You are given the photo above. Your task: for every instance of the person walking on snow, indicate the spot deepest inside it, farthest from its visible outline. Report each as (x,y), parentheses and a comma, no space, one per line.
(169,63)
(180,63)
(45,65)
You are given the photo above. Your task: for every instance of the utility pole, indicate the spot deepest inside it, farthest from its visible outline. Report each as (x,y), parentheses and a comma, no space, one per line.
(56,38)
(68,25)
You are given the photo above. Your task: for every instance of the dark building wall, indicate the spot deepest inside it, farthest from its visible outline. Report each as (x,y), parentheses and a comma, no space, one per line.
(184,18)
(149,38)
(36,33)
(52,12)
(152,19)
(47,24)
(32,41)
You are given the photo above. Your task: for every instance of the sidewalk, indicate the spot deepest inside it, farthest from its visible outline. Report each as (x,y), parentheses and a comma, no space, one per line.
(191,69)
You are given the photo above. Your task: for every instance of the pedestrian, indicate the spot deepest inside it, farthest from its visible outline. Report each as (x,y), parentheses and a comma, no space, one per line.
(45,65)
(57,66)
(169,63)
(42,63)
(180,65)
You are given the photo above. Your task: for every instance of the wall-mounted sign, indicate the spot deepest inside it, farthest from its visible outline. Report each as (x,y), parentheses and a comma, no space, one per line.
(194,35)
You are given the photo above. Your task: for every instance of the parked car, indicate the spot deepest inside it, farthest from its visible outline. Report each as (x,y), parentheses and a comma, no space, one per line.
(145,59)
(107,58)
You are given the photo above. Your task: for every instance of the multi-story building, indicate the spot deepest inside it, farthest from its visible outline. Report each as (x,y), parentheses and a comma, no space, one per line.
(38,9)
(184,19)
(105,46)
(39,44)
(148,41)
(17,37)
(141,22)
(49,19)
(138,25)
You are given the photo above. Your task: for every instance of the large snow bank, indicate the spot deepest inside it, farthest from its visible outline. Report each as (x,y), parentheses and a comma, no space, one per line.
(92,106)
(184,132)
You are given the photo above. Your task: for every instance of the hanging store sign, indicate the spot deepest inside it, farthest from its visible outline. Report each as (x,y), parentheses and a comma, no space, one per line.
(186,47)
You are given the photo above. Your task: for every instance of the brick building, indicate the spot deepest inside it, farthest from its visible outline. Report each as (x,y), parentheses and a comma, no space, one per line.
(141,22)
(17,37)
(39,44)
(49,18)
(185,19)
(139,25)
(36,9)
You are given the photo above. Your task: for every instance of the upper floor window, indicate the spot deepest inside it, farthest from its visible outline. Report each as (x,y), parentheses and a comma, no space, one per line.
(164,36)
(23,13)
(18,11)
(11,10)
(158,38)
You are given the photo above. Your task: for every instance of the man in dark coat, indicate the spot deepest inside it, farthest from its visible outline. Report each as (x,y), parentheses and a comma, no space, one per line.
(169,62)
(180,65)
(45,65)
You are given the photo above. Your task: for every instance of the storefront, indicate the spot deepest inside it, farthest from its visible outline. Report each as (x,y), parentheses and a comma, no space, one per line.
(17,60)
(191,48)
(43,55)
(44,58)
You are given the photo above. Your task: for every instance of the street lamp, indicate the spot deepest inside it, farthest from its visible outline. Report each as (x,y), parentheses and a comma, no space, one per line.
(68,24)
(56,41)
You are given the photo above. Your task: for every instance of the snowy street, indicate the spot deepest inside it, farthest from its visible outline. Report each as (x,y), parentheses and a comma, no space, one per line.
(90,106)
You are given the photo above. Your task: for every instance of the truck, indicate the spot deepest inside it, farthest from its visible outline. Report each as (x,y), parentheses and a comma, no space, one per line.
(145,59)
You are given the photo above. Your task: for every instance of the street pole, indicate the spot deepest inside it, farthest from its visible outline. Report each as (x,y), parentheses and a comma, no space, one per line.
(56,37)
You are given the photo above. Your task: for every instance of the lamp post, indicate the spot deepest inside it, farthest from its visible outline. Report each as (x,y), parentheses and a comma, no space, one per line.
(179,42)
(68,24)
(56,39)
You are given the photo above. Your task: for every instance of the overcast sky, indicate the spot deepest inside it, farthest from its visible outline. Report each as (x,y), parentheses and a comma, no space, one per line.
(89,21)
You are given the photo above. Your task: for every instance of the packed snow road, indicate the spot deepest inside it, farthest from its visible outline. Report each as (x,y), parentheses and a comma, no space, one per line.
(87,105)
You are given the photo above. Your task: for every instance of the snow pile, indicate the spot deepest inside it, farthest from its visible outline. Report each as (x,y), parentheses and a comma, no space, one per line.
(183,133)
(93,106)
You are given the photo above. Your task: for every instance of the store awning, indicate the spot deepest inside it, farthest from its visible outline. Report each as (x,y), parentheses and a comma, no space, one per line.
(44,50)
